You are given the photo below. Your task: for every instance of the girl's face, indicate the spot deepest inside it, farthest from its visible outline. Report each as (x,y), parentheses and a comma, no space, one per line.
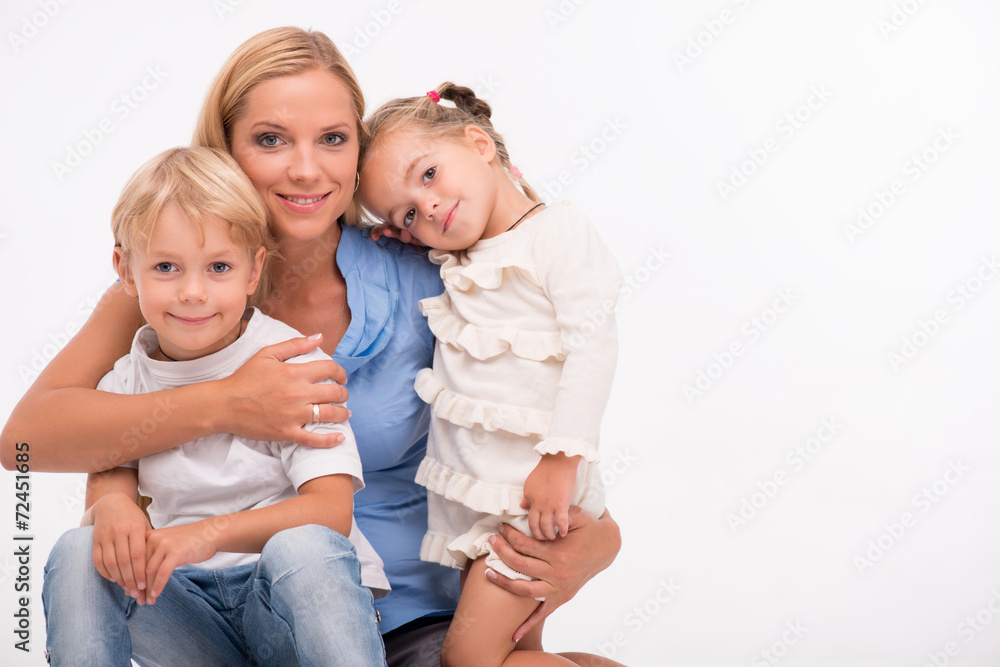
(443,191)
(192,293)
(298,144)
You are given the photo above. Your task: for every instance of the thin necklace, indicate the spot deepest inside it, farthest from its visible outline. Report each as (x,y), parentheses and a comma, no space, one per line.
(239,333)
(524,216)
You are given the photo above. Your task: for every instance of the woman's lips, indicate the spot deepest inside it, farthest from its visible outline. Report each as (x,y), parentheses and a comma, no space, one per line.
(304,203)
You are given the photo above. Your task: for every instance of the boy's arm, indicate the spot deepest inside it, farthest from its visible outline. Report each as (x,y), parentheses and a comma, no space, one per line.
(120,529)
(327,501)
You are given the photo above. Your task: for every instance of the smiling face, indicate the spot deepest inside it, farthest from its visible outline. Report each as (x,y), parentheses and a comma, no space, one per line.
(443,191)
(191,291)
(297,141)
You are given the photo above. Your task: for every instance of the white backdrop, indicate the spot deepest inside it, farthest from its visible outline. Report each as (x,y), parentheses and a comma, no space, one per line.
(801,442)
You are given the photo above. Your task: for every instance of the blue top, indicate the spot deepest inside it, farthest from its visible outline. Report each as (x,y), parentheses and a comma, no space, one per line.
(384,347)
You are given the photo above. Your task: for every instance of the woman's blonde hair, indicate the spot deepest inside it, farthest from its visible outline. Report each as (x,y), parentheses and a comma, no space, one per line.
(430,119)
(202,183)
(268,55)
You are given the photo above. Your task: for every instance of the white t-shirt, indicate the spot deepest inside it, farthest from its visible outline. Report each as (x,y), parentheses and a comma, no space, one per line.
(225,473)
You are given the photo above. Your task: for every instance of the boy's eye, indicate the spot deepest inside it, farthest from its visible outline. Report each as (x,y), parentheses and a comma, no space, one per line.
(220,267)
(429,174)
(164,267)
(408,217)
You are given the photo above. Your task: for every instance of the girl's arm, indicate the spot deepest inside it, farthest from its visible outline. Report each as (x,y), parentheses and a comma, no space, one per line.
(72,427)
(560,567)
(327,501)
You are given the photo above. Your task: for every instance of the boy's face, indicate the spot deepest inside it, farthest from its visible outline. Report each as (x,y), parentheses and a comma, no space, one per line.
(193,295)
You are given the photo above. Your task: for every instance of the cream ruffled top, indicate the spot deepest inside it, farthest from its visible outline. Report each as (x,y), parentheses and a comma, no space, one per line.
(525,357)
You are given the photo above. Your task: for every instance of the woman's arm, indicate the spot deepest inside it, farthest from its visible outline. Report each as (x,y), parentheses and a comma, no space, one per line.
(326,501)
(72,427)
(560,567)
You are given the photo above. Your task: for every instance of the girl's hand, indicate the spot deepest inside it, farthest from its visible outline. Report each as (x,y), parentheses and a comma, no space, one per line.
(272,400)
(168,548)
(560,567)
(120,530)
(548,492)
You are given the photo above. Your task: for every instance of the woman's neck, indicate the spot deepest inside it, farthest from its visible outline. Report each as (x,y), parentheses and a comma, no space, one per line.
(306,268)
(310,294)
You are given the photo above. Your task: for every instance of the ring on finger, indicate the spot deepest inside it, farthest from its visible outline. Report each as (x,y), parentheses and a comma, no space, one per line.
(315,412)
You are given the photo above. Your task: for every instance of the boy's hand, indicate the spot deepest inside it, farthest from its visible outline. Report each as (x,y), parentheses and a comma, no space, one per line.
(120,530)
(167,548)
(548,492)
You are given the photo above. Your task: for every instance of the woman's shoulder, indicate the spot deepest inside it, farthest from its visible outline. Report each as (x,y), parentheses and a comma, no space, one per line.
(409,263)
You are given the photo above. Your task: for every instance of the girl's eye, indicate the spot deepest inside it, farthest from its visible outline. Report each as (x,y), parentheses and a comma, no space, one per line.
(334,139)
(408,217)
(220,267)
(429,174)
(268,140)
(164,267)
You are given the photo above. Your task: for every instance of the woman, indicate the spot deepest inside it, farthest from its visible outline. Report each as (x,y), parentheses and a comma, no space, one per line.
(286,105)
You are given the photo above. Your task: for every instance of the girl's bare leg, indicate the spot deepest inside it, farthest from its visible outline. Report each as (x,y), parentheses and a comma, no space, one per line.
(485,621)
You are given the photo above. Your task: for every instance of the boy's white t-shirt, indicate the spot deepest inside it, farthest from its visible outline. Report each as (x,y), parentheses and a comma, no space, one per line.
(225,473)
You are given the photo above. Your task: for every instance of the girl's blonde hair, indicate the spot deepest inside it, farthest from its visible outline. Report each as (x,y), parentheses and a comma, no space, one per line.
(202,183)
(268,55)
(428,118)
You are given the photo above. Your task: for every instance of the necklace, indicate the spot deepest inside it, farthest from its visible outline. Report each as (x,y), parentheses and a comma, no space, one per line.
(238,334)
(524,216)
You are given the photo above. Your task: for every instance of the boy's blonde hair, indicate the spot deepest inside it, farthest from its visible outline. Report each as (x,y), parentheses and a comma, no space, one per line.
(202,183)
(268,55)
(428,118)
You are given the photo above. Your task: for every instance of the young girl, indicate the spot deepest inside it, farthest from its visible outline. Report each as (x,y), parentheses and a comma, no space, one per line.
(191,244)
(525,356)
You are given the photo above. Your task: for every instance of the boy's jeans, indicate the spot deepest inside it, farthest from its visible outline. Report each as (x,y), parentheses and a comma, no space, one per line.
(301,603)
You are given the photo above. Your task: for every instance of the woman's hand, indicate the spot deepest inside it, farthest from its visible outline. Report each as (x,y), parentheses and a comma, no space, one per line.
(398,234)
(560,567)
(272,400)
(120,530)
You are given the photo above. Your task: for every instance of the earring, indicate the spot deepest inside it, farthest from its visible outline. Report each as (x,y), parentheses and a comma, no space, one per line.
(357,181)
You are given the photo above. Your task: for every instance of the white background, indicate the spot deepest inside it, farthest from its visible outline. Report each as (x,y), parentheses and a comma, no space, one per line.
(826,550)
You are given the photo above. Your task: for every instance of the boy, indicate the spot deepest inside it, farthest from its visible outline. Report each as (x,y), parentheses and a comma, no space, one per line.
(187,586)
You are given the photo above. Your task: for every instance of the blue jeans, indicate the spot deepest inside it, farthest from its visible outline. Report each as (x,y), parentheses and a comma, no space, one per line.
(302,603)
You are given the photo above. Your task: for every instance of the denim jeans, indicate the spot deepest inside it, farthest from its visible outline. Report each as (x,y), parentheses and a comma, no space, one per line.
(302,603)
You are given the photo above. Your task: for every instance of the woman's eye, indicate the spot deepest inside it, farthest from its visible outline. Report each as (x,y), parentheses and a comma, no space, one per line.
(408,217)
(429,174)
(334,139)
(220,267)
(268,140)
(164,267)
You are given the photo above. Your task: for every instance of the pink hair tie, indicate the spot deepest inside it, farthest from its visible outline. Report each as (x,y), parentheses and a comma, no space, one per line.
(433,94)
(514,171)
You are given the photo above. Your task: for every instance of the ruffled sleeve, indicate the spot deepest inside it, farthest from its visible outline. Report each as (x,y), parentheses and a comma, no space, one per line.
(581,278)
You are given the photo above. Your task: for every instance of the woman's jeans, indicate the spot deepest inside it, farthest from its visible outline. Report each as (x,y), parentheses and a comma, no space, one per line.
(302,603)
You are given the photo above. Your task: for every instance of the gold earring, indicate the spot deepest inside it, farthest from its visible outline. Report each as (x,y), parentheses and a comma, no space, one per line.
(357,181)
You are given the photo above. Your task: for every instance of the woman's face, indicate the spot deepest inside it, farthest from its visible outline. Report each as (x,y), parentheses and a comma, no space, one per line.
(298,143)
